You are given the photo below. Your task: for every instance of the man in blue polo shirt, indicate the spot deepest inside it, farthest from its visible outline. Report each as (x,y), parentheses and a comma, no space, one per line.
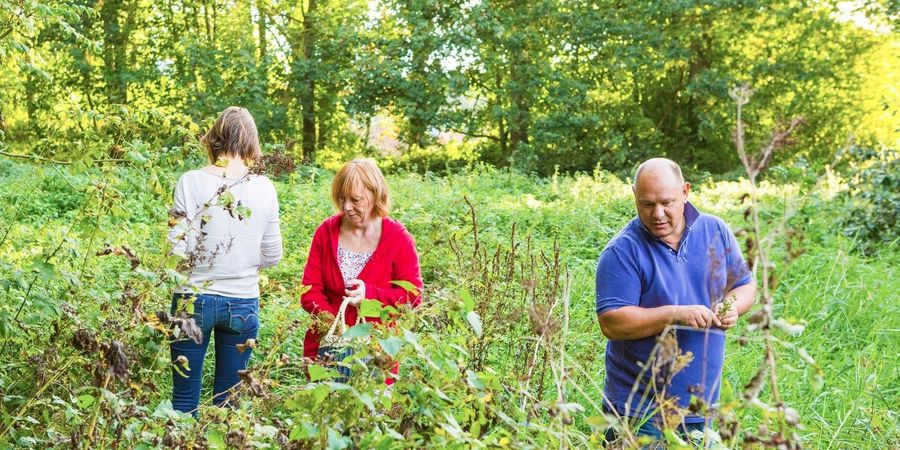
(671,266)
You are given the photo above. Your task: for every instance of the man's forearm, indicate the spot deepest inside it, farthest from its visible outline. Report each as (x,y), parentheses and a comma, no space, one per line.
(634,322)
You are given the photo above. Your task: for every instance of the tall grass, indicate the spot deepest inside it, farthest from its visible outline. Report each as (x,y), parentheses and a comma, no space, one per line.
(848,303)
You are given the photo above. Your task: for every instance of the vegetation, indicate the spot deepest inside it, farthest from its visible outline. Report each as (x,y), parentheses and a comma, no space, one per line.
(507,133)
(86,359)
(567,84)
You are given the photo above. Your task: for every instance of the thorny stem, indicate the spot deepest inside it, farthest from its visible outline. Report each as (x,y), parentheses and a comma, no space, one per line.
(560,373)
(90,433)
(36,396)
(763,261)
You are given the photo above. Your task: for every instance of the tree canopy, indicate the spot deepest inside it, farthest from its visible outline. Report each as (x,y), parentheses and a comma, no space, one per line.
(555,85)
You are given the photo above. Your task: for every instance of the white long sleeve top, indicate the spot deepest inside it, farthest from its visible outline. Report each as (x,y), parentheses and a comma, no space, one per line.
(228,257)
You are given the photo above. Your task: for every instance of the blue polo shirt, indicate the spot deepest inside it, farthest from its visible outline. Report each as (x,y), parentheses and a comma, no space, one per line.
(639,269)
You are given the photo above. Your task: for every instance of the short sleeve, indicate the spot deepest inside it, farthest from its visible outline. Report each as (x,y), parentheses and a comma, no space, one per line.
(738,272)
(618,281)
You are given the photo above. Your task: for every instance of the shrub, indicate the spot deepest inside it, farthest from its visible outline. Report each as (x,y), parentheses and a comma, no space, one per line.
(873,199)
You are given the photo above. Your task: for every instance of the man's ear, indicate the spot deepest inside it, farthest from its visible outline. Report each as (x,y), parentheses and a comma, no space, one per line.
(686,189)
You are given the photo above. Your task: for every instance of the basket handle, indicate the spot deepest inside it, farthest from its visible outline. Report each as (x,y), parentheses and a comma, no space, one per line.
(339,319)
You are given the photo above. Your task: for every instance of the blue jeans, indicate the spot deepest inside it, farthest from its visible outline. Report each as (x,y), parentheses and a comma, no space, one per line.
(335,357)
(235,320)
(650,429)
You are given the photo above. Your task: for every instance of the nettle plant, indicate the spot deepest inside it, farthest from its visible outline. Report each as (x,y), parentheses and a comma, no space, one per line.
(97,361)
(472,373)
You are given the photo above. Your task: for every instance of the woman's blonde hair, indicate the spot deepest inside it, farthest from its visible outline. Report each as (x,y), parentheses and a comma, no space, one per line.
(233,134)
(362,172)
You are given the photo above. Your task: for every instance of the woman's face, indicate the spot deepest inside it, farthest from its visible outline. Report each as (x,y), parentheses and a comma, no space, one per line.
(358,205)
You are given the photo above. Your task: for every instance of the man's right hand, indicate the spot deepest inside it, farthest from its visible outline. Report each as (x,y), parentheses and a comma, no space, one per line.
(697,316)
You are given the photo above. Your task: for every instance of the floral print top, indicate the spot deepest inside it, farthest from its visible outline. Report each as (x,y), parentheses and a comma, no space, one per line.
(351,263)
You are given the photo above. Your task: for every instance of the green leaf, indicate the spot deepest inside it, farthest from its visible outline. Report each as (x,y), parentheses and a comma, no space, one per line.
(304,430)
(473,381)
(243,211)
(726,393)
(391,345)
(85,401)
(475,321)
(320,392)
(393,433)
(370,308)
(186,304)
(359,330)
(317,373)
(336,441)
(215,440)
(135,157)
(406,285)
(367,400)
(44,270)
(468,301)
(226,199)
(410,337)
(675,441)
(598,422)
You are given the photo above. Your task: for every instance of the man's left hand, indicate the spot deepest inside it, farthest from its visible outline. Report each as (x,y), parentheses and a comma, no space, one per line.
(727,313)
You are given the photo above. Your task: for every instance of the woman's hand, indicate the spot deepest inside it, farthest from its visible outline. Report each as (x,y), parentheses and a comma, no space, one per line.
(355,292)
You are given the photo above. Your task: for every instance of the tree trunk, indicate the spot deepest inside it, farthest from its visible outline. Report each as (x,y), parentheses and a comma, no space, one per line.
(501,123)
(115,42)
(308,90)
(30,101)
(209,36)
(262,9)
(262,64)
(520,111)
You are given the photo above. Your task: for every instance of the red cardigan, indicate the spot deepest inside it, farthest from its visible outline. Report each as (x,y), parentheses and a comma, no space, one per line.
(395,258)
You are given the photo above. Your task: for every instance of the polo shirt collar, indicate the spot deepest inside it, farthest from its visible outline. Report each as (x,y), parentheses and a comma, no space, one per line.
(690,214)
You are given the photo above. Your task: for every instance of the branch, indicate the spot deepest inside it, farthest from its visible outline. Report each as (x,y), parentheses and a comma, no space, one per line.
(53,161)
(6,33)
(477,135)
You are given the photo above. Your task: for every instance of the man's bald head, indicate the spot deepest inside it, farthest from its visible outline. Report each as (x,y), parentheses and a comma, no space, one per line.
(660,194)
(658,168)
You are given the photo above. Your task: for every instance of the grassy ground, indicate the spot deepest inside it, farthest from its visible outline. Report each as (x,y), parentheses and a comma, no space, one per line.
(848,304)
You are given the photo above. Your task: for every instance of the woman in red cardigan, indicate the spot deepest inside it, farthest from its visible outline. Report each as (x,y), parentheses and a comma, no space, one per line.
(357,253)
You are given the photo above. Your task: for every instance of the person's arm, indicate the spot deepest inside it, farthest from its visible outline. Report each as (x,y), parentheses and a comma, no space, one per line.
(618,297)
(634,322)
(314,300)
(178,220)
(405,267)
(270,252)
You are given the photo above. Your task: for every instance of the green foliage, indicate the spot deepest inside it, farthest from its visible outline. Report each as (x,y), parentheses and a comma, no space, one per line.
(872,200)
(479,360)
(549,86)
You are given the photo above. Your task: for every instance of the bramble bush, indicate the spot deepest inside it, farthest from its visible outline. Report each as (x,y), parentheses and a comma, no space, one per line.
(872,200)
(504,352)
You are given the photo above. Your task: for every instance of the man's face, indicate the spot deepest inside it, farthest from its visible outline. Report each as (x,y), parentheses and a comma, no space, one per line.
(660,197)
